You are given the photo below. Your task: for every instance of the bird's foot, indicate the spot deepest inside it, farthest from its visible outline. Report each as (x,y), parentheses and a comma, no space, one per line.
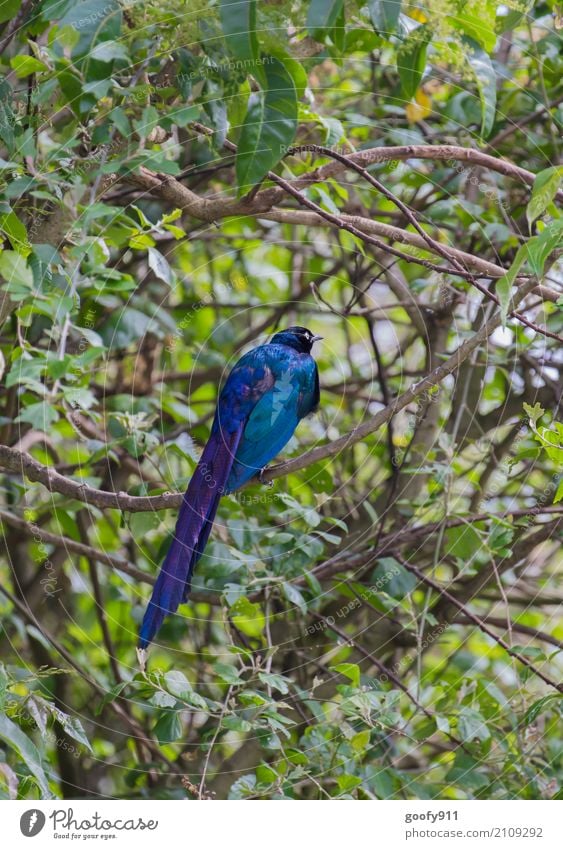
(269,484)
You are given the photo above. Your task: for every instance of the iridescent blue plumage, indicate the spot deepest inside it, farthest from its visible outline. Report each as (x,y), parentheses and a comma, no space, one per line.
(266,394)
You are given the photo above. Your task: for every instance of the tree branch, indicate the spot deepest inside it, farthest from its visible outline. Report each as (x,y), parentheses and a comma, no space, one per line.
(480,624)
(438,152)
(19,462)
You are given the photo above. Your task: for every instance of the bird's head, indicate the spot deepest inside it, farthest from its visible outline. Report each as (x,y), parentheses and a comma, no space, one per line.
(296,337)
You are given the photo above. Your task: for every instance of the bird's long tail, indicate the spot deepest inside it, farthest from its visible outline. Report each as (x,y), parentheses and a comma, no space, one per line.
(193,527)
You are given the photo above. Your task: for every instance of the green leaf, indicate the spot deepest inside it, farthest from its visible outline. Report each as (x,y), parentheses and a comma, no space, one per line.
(68,37)
(465,772)
(294,596)
(360,741)
(334,130)
(168,727)
(269,126)
(24,66)
(9,9)
(534,413)
(476,28)
(14,269)
(159,264)
(71,87)
(278,682)
(294,68)
(539,706)
(108,51)
(16,232)
(500,538)
(238,19)
(463,542)
(248,617)
(348,782)
(384,15)
(177,683)
(265,775)
(243,787)
(111,695)
(546,186)
(71,724)
(503,287)
(227,674)
(40,416)
(471,725)
(322,16)
(95,21)
(80,396)
(181,117)
(411,60)
(508,19)
(124,327)
(15,739)
(391,577)
(539,247)
(349,670)
(487,85)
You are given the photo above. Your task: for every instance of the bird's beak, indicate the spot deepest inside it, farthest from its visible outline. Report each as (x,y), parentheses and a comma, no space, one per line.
(316,339)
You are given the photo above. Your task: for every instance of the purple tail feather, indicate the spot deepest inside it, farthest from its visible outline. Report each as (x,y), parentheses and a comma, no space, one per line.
(193,527)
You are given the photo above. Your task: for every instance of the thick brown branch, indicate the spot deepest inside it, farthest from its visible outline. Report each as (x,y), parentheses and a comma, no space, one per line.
(439,152)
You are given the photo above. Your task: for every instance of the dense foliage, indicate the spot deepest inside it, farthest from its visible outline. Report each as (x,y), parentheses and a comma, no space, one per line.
(382,621)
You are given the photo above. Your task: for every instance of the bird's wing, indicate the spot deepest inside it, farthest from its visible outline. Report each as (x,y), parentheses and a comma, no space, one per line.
(311,395)
(273,420)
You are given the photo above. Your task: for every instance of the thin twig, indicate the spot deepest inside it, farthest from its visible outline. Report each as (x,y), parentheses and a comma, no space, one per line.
(479,622)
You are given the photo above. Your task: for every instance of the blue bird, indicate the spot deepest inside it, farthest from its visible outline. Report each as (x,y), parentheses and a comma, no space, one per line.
(266,394)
